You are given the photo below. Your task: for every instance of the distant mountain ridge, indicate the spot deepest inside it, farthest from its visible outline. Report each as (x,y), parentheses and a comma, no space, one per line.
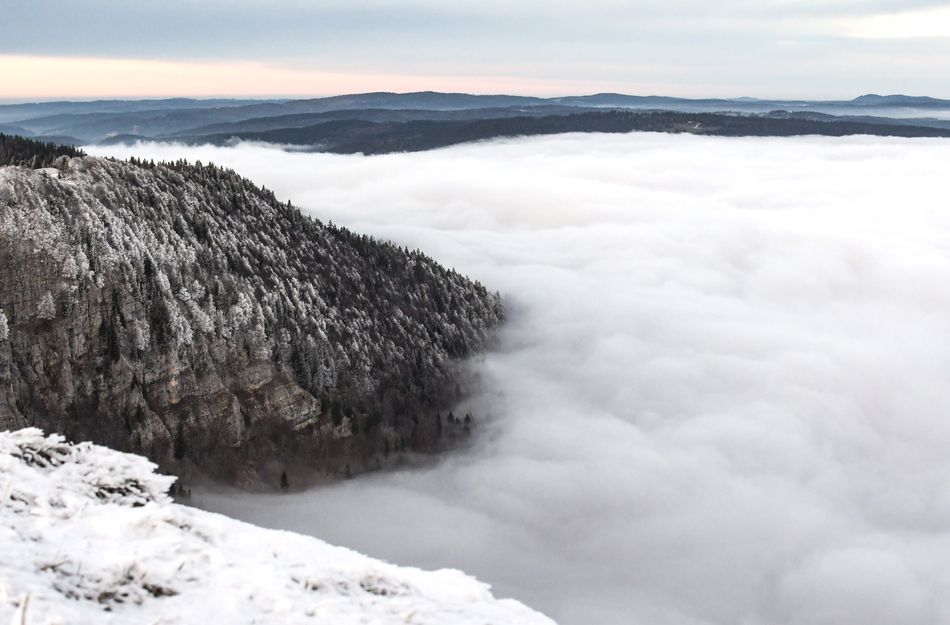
(349,136)
(26,110)
(91,122)
(872,99)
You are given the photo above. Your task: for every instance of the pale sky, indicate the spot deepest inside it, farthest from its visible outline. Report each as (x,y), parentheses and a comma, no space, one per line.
(766,48)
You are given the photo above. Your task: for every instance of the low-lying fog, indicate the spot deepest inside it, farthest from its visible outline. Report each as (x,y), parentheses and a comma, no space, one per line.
(724,392)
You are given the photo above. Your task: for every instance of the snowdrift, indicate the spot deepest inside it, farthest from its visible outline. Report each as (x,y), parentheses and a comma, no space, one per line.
(89,535)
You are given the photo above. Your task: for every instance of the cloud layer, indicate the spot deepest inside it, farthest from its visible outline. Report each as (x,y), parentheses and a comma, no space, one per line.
(722,394)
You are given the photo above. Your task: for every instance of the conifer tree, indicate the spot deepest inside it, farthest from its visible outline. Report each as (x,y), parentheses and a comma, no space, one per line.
(46,309)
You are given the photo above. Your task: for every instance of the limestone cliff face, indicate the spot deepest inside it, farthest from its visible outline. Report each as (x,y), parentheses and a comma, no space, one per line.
(181,312)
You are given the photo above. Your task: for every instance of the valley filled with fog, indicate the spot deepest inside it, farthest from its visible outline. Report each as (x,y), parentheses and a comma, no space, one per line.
(720,397)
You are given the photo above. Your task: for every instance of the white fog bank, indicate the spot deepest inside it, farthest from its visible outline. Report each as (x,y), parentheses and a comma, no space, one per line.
(723,395)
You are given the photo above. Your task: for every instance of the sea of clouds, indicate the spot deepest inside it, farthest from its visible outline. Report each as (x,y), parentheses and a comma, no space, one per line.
(723,395)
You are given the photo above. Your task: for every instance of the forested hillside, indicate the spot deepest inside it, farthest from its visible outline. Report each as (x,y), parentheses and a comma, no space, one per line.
(180,311)
(369,137)
(16,150)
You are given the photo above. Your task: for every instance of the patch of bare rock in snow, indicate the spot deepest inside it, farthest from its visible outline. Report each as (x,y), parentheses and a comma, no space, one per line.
(88,535)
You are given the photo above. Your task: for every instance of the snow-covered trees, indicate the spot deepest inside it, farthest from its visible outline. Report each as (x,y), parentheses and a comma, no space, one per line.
(139,334)
(70,268)
(26,152)
(82,263)
(197,265)
(46,309)
(198,240)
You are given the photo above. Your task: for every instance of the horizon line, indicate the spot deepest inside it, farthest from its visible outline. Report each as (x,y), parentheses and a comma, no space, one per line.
(298,97)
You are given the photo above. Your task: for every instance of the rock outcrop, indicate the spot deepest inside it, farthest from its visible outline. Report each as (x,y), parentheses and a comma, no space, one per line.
(181,312)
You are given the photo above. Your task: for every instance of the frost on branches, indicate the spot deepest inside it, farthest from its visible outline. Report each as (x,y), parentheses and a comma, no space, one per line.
(47,307)
(164,307)
(87,535)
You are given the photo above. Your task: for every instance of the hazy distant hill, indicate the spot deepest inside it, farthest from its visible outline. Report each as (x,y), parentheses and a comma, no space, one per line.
(30,110)
(100,121)
(356,135)
(865,119)
(750,104)
(93,125)
(872,99)
(259,124)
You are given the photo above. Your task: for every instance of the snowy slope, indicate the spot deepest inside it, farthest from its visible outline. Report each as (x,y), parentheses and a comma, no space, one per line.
(87,535)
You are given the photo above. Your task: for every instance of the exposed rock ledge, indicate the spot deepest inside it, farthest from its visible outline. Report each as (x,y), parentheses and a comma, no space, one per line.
(181,312)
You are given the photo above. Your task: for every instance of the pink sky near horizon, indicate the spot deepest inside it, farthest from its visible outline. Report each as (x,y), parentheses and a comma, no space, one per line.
(89,49)
(35,77)
(32,78)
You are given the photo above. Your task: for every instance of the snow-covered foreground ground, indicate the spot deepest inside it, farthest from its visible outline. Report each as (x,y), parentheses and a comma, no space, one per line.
(87,535)
(722,396)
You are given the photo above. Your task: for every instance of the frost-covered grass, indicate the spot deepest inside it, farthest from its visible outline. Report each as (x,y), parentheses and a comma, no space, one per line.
(88,535)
